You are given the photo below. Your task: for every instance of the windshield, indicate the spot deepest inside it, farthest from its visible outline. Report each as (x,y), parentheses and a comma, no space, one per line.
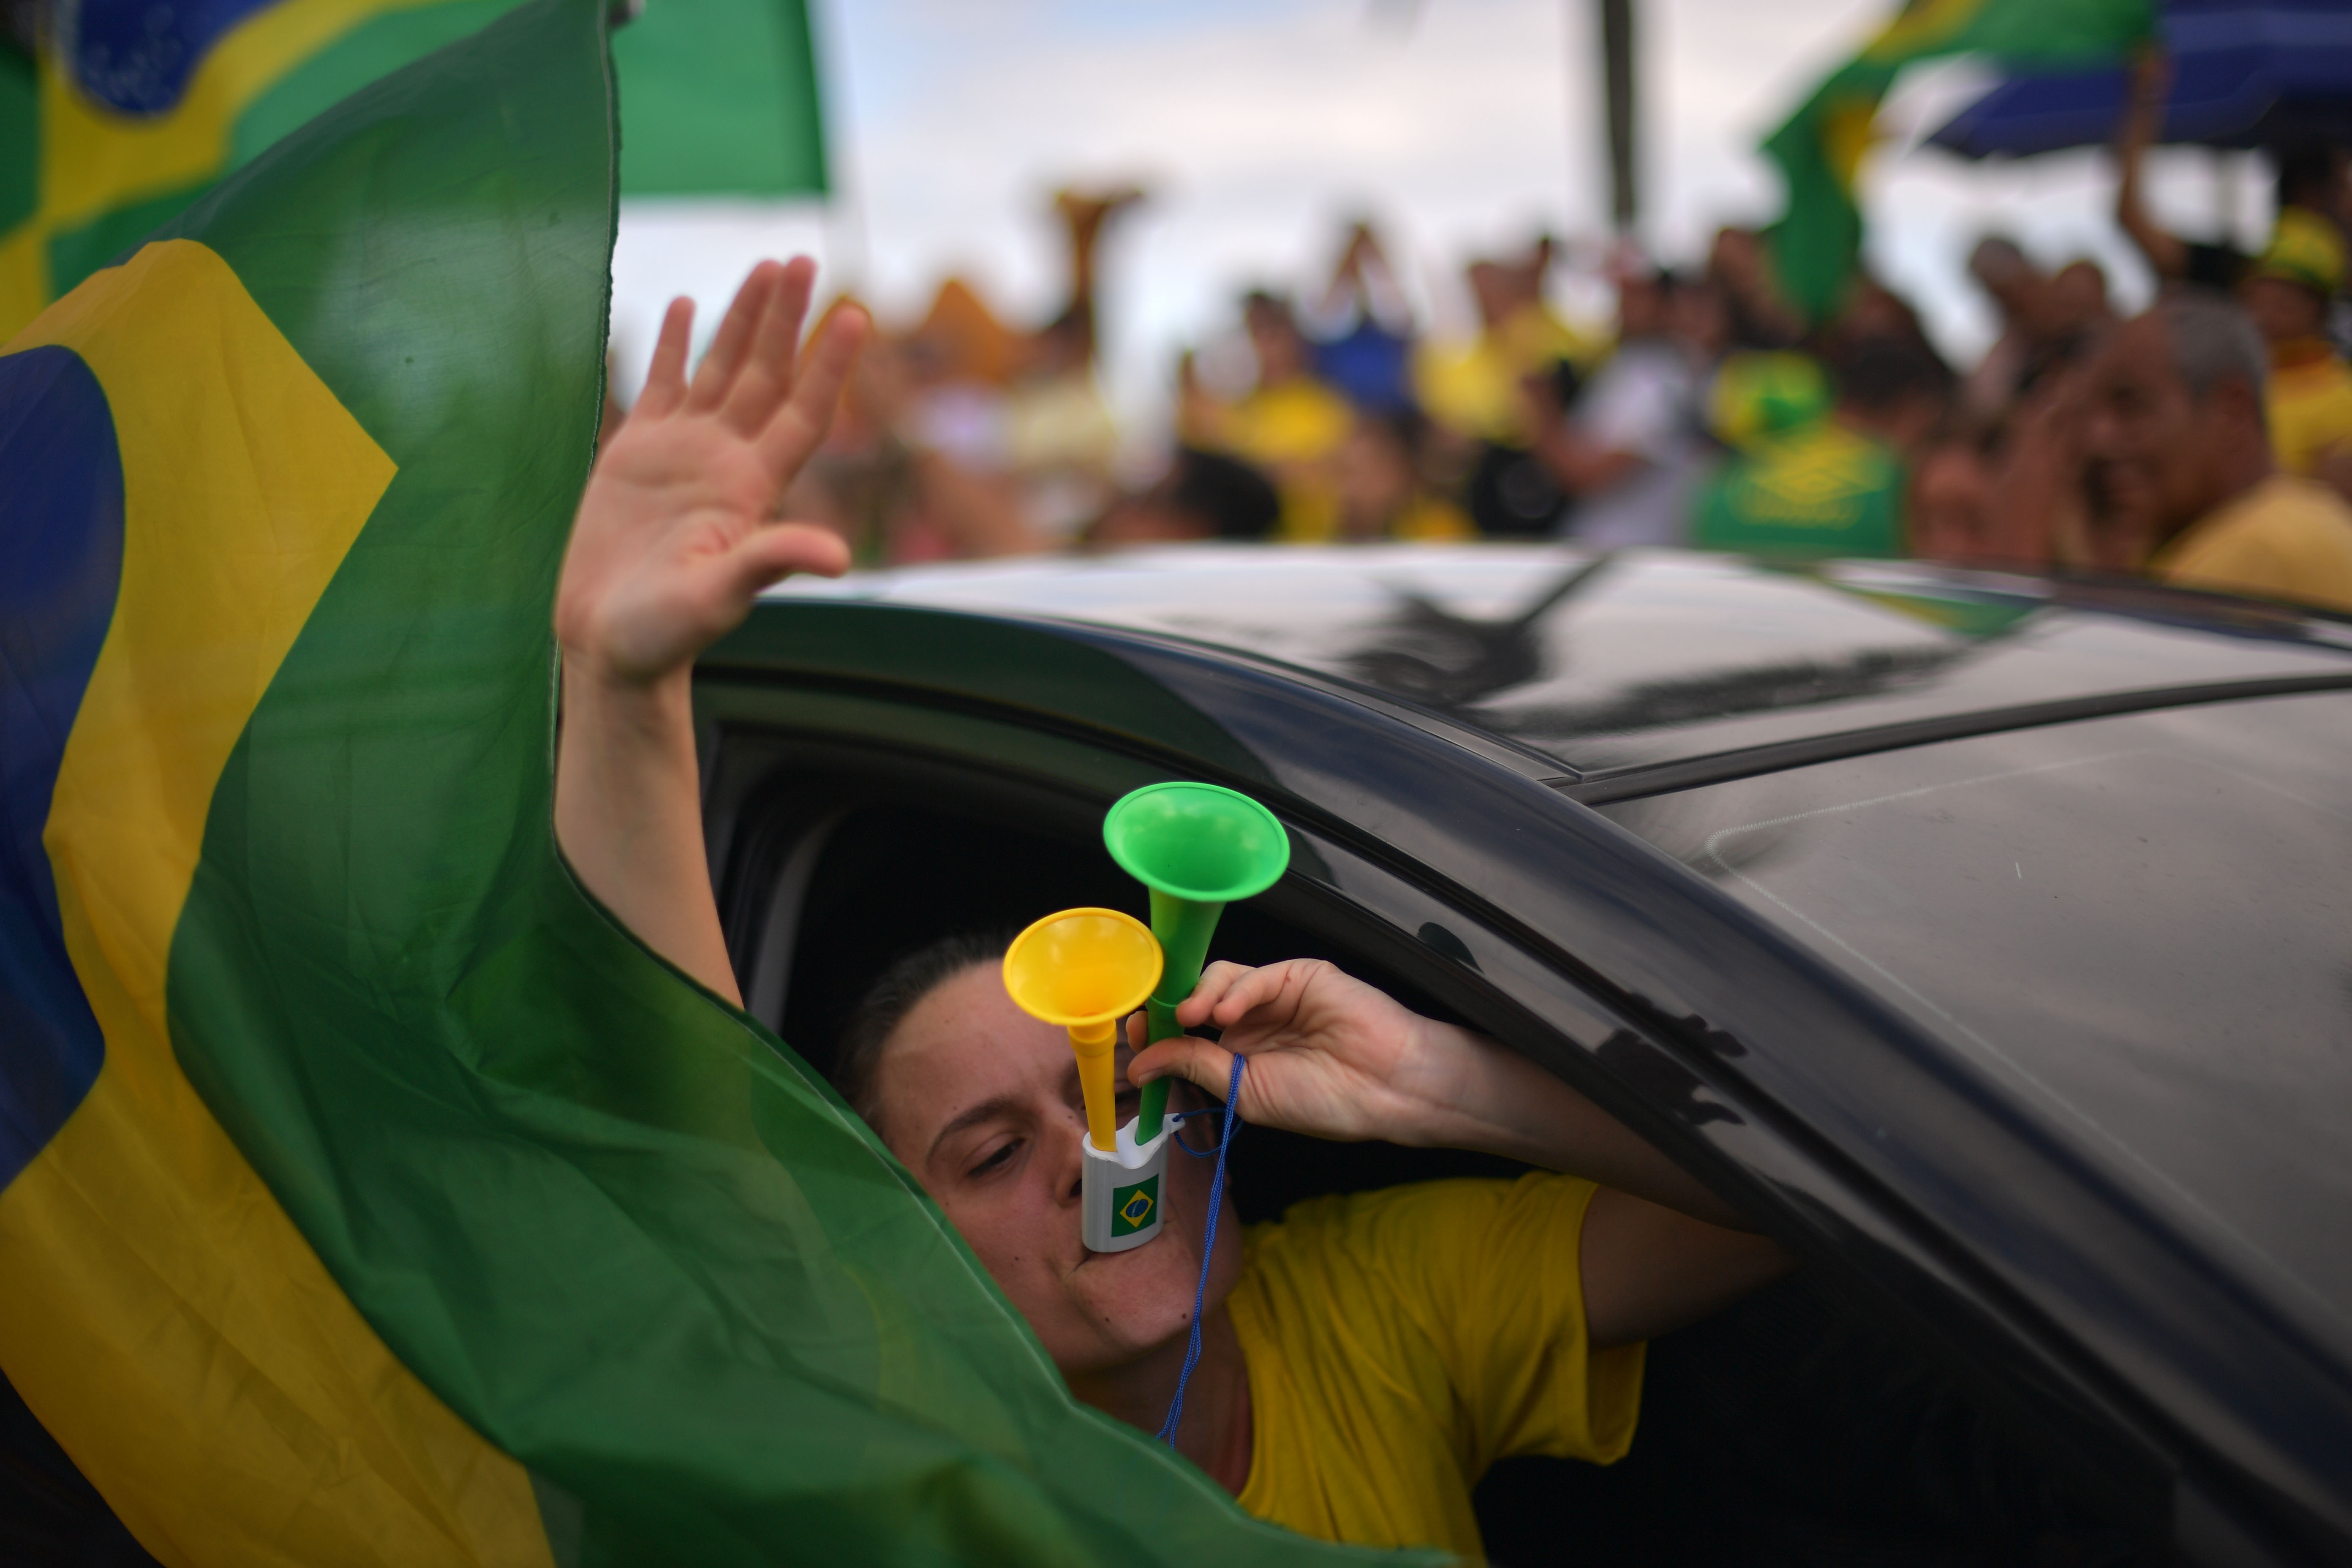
(2139,927)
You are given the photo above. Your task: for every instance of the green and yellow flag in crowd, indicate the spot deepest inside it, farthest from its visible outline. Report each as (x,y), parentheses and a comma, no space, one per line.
(1820,150)
(366,1194)
(129,110)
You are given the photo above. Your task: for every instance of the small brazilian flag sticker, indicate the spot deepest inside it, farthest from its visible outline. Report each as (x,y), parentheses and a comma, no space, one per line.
(1131,1208)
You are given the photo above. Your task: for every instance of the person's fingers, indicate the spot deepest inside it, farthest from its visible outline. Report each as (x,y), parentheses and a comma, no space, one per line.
(772,554)
(665,377)
(797,428)
(1201,1062)
(1215,981)
(1258,988)
(715,377)
(767,375)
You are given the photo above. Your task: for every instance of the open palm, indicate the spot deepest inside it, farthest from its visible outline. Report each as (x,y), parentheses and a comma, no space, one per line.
(677,531)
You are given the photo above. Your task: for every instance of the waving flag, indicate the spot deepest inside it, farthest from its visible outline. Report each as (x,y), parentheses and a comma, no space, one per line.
(366,1195)
(137,107)
(1820,150)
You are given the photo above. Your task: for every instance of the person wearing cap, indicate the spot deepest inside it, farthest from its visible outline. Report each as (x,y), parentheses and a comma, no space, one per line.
(2287,293)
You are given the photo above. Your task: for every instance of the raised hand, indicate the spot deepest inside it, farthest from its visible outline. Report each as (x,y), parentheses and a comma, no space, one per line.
(1329,1055)
(676,535)
(676,531)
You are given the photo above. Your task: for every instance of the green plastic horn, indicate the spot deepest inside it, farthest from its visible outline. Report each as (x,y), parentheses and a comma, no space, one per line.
(1197,848)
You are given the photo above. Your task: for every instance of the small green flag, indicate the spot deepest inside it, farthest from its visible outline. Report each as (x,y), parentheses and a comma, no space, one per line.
(719,97)
(1821,148)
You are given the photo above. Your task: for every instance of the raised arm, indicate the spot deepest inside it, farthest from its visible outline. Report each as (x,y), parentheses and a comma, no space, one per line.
(675,536)
(1333,1058)
(2152,85)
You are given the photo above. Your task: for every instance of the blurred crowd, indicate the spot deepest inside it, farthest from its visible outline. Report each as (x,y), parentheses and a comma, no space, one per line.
(2208,441)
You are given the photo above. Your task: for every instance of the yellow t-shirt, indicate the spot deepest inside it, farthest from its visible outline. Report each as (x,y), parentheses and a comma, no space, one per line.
(1400,1342)
(1293,431)
(1473,388)
(2310,413)
(2285,539)
(1432,519)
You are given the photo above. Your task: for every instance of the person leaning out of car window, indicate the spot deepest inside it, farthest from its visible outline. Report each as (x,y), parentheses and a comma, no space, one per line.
(2162,439)
(1420,1334)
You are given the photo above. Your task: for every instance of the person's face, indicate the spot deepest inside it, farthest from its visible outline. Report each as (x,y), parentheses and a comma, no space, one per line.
(1641,308)
(2152,446)
(2283,312)
(1702,319)
(1376,480)
(2080,295)
(1490,286)
(981,1102)
(1273,339)
(1951,502)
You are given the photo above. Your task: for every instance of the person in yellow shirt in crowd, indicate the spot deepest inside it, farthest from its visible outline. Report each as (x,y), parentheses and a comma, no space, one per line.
(2174,431)
(1289,424)
(1472,386)
(1385,489)
(2310,397)
(1476,392)
(1365,1358)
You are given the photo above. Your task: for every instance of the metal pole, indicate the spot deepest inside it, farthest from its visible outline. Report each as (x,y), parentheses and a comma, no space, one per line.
(1617,86)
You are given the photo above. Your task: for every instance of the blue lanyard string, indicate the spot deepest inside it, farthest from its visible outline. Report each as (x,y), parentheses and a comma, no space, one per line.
(1208,1251)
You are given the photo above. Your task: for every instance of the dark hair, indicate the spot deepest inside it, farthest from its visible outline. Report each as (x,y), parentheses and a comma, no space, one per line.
(899,991)
(1878,374)
(1233,499)
(2308,169)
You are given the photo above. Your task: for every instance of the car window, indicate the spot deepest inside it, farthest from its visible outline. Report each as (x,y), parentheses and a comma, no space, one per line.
(2139,927)
(883,859)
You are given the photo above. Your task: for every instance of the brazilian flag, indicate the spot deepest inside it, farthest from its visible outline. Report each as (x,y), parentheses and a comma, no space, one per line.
(134,108)
(366,1194)
(1820,150)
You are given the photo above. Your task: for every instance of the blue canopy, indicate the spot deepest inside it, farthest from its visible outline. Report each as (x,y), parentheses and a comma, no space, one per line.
(2268,74)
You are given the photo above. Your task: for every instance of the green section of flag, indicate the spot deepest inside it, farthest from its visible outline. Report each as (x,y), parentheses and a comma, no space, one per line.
(376,47)
(719,97)
(1815,245)
(620,1229)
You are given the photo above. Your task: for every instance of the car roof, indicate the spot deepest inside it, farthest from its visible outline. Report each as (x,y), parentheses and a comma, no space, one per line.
(1639,671)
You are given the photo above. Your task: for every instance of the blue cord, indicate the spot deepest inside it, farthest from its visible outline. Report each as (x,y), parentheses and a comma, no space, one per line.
(1187,1116)
(1208,1251)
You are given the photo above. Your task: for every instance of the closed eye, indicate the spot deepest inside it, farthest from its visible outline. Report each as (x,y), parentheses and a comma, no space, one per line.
(995,1161)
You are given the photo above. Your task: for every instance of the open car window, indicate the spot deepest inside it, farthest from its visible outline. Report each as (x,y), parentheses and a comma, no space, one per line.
(1812,1416)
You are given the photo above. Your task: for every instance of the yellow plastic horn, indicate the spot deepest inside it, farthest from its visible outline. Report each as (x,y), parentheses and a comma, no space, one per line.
(1086,969)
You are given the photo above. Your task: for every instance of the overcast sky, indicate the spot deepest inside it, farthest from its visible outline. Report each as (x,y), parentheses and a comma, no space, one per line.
(1459,125)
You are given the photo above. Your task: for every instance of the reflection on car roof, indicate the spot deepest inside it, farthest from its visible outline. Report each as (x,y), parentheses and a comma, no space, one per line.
(1629,660)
